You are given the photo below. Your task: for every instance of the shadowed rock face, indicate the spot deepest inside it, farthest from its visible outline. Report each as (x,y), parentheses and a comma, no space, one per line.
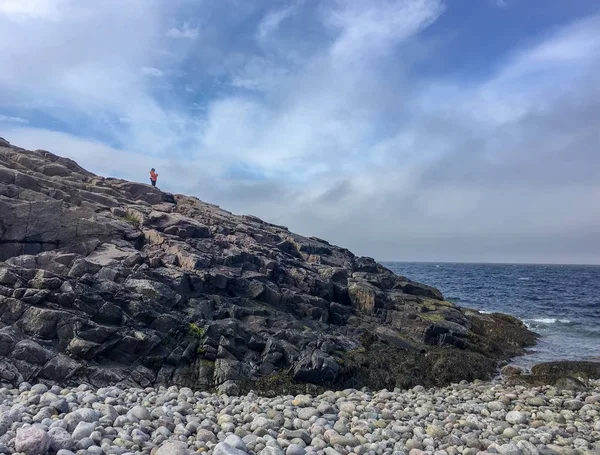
(107,281)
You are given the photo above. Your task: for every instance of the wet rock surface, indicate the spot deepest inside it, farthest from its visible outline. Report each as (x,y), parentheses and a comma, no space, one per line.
(105,282)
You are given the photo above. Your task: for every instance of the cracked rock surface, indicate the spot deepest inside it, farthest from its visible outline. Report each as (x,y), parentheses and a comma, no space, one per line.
(105,281)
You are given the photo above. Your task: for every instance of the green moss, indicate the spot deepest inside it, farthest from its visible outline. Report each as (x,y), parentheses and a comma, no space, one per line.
(432,317)
(197,331)
(200,334)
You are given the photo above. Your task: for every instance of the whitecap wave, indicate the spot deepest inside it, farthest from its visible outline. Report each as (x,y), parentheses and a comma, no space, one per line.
(524,278)
(550,321)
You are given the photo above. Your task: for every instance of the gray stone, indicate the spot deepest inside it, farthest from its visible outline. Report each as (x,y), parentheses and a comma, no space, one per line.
(32,441)
(298,434)
(205,436)
(39,389)
(262,423)
(294,449)
(516,417)
(140,413)
(83,430)
(230,388)
(95,450)
(223,448)
(85,443)
(88,415)
(235,441)
(270,450)
(436,432)
(344,440)
(60,405)
(509,449)
(60,439)
(510,433)
(496,406)
(173,448)
(527,448)
(573,405)
(307,413)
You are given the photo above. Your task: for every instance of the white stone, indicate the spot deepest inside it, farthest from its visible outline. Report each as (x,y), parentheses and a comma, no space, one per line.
(140,413)
(235,441)
(173,448)
(223,448)
(516,417)
(83,430)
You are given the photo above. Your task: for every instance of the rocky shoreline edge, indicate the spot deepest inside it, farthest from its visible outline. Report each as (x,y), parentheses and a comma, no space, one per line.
(513,416)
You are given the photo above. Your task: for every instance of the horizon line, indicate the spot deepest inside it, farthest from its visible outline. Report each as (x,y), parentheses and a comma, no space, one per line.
(572,264)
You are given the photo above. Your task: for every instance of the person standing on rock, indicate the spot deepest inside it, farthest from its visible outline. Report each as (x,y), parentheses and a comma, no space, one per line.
(153,177)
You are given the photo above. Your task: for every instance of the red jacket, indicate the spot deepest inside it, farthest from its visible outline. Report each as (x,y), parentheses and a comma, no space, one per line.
(153,176)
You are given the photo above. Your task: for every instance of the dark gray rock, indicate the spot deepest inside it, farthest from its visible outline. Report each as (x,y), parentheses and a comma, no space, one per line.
(31,352)
(106,281)
(317,368)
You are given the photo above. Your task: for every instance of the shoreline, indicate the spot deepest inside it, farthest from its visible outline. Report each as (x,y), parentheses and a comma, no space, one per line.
(463,418)
(555,302)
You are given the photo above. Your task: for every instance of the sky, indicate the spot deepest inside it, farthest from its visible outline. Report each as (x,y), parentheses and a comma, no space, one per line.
(416,130)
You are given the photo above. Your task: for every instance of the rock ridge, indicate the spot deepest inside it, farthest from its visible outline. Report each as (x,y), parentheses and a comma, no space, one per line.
(105,281)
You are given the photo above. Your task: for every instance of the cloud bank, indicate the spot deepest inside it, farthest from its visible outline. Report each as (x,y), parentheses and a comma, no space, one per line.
(330,118)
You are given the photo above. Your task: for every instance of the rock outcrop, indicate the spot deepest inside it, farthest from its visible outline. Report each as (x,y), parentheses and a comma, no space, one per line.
(107,281)
(565,374)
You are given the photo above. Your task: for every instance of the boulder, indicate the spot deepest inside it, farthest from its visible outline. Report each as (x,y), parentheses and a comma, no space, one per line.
(316,368)
(31,352)
(575,369)
(364,296)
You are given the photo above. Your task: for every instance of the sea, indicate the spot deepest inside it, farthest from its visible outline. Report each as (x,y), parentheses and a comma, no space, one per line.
(559,302)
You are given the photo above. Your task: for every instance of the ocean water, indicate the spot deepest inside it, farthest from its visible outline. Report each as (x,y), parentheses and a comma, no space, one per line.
(560,302)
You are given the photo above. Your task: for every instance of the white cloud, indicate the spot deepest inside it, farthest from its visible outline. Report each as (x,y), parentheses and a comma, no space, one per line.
(8,119)
(150,71)
(20,10)
(374,27)
(185,32)
(272,20)
(344,141)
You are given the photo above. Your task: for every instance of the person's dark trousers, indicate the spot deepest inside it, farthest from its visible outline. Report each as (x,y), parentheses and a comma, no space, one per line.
(153,182)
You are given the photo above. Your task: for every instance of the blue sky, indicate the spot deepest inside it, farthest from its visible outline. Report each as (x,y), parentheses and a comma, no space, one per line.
(403,129)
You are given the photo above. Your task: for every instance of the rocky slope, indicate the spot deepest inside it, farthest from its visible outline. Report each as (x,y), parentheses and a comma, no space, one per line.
(107,281)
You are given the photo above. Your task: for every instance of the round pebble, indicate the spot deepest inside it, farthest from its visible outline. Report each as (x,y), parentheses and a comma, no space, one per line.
(462,419)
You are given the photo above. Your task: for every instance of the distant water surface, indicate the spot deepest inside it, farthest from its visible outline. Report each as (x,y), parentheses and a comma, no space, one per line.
(560,302)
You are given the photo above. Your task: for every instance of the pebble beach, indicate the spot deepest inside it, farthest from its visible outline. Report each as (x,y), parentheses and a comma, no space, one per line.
(465,418)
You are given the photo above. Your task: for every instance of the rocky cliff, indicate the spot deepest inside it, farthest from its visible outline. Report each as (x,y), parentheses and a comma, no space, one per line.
(108,281)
